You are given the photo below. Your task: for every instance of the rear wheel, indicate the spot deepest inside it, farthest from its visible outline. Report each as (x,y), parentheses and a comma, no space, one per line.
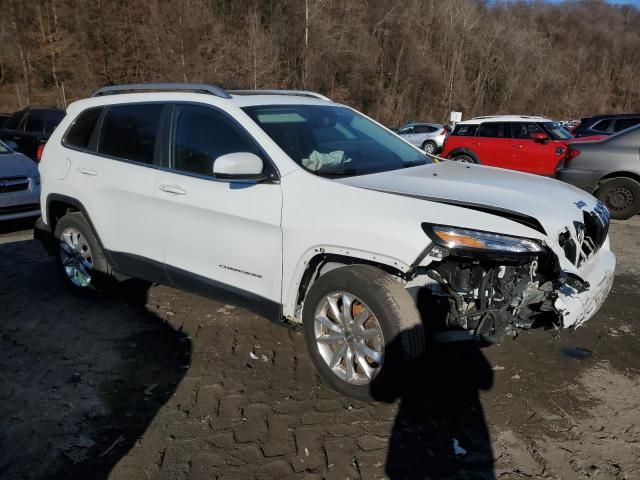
(463,158)
(621,196)
(362,328)
(429,147)
(79,257)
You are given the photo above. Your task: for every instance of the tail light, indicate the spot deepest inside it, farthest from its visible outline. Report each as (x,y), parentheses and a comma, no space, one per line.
(572,153)
(39,152)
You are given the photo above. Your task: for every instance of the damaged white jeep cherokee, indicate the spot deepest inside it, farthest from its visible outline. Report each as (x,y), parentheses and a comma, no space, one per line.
(306,211)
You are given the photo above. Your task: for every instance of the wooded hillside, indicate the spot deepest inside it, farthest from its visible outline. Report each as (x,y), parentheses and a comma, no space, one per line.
(395,60)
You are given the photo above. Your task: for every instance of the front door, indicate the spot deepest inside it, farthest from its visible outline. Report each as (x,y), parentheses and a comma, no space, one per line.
(221,238)
(534,156)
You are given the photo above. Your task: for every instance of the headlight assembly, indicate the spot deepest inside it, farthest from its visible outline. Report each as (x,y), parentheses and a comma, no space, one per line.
(454,238)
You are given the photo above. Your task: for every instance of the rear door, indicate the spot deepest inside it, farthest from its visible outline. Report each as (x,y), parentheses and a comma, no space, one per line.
(114,177)
(493,145)
(533,156)
(220,237)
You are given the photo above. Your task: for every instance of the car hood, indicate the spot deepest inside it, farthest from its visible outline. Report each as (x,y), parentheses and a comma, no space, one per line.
(546,205)
(17,165)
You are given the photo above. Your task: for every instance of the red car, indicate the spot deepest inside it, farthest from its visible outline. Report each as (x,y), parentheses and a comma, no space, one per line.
(517,142)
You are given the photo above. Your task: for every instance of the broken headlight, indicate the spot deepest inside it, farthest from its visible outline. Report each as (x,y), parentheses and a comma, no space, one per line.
(454,238)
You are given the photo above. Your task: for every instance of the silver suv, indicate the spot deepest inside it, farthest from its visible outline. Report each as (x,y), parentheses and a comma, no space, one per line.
(428,136)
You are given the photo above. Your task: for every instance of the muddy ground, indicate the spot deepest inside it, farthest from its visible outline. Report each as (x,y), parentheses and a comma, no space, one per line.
(173,386)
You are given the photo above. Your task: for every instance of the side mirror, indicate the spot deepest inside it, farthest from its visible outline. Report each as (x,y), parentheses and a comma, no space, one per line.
(12,145)
(538,137)
(241,166)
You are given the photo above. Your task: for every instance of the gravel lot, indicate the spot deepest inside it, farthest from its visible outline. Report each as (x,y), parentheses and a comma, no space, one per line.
(173,386)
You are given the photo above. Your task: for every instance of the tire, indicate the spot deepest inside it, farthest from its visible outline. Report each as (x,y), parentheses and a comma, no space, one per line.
(380,305)
(430,147)
(463,158)
(79,257)
(621,196)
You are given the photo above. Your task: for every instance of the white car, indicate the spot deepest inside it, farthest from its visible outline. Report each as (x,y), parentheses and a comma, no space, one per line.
(307,211)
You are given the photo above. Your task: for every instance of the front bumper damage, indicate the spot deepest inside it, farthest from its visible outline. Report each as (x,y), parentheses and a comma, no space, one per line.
(493,296)
(578,303)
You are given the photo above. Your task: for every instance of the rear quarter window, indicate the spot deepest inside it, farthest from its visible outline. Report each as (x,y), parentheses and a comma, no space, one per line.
(129,132)
(602,125)
(465,130)
(80,132)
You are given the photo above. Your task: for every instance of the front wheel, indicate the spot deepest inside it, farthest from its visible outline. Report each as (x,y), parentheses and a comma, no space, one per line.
(362,328)
(621,196)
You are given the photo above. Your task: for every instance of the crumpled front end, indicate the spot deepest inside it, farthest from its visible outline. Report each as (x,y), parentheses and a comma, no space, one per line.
(491,295)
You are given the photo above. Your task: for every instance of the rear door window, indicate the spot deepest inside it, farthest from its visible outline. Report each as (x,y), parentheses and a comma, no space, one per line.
(465,130)
(602,125)
(129,132)
(80,132)
(624,123)
(494,130)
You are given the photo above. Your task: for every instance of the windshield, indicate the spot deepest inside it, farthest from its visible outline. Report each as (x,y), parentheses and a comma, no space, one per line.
(334,141)
(557,131)
(4,148)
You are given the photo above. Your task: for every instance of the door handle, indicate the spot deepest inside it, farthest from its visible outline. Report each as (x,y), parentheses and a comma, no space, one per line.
(87,171)
(16,137)
(477,144)
(175,189)
(517,146)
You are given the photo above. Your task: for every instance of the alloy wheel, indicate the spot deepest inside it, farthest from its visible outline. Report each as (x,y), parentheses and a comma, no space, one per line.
(349,338)
(75,256)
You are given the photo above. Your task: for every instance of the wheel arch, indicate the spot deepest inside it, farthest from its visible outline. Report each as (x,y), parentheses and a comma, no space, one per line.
(464,151)
(57,206)
(324,259)
(618,174)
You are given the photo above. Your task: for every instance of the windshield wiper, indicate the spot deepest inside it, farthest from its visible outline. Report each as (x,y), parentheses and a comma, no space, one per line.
(416,163)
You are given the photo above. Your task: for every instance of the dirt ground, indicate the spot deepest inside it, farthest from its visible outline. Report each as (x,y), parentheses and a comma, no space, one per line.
(174,386)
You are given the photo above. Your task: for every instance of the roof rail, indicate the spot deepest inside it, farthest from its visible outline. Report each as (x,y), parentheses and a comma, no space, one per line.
(299,93)
(163,87)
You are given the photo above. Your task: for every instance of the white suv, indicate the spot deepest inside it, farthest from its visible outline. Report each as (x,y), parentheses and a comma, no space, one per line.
(307,211)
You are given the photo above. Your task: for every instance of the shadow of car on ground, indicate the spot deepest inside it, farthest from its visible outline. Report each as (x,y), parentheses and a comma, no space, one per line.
(81,379)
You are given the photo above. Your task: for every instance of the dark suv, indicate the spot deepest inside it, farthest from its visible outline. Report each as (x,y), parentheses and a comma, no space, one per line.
(30,128)
(605,124)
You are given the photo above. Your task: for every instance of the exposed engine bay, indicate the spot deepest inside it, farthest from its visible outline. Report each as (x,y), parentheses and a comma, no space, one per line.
(493,297)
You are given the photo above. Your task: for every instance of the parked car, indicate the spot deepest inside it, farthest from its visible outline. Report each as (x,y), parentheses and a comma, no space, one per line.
(518,142)
(308,212)
(610,169)
(19,185)
(29,129)
(605,124)
(428,136)
(3,118)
